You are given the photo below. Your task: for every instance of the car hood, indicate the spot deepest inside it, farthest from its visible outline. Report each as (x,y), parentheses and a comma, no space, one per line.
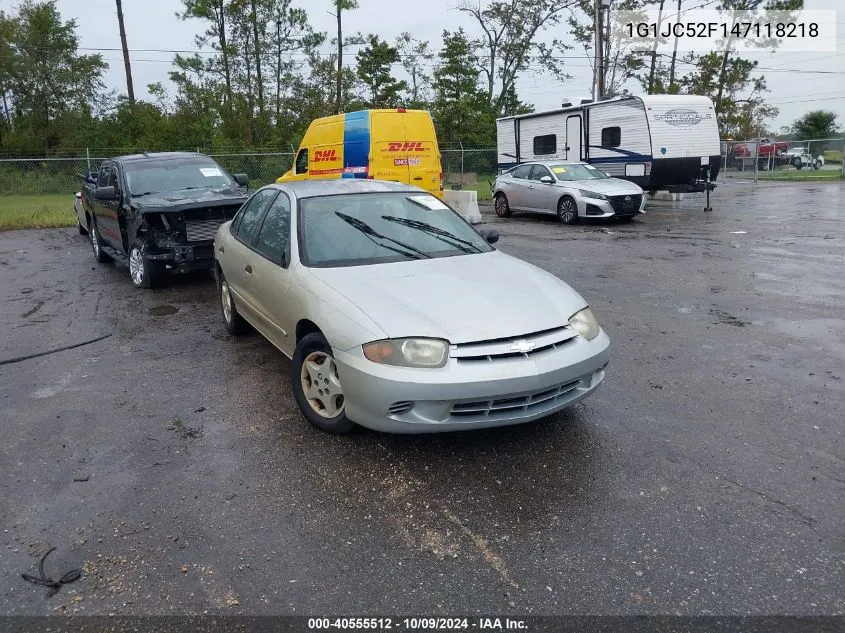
(190,198)
(460,299)
(606,186)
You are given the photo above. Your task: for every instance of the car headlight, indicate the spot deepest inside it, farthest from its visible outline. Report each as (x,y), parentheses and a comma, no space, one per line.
(592,194)
(408,352)
(585,323)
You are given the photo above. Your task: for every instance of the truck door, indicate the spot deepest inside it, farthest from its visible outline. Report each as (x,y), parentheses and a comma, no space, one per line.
(574,150)
(106,210)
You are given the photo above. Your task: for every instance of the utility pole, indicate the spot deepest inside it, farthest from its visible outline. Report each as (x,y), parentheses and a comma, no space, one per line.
(129,88)
(597,49)
(654,50)
(674,54)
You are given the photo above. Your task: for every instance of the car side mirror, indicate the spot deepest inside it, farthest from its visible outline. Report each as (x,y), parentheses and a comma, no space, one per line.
(547,180)
(105,193)
(491,236)
(241,179)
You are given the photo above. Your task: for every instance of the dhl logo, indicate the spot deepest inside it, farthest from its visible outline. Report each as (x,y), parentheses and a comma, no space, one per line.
(325,155)
(408,146)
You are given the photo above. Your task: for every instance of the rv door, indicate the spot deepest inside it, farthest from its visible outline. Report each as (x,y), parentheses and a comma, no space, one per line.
(573,137)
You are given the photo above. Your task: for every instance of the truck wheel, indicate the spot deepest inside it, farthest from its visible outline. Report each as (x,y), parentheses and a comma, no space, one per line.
(816,164)
(144,273)
(567,210)
(796,162)
(317,387)
(500,204)
(97,244)
(234,322)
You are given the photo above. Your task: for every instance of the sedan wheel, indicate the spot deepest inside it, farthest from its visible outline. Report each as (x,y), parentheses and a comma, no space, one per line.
(233,321)
(567,211)
(501,205)
(317,386)
(321,385)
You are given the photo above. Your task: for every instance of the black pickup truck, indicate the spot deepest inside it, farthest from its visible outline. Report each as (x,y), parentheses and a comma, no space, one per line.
(158,213)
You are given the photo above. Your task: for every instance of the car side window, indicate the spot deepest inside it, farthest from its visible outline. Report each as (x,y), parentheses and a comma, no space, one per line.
(274,235)
(538,172)
(522,172)
(302,162)
(249,217)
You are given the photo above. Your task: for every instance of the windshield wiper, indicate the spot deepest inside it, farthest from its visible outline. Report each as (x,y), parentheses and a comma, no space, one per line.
(146,193)
(440,234)
(370,232)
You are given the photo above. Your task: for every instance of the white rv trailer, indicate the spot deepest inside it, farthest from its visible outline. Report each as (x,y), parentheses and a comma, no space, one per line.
(656,141)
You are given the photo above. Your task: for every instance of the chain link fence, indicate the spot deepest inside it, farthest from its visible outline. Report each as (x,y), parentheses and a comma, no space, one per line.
(59,175)
(772,159)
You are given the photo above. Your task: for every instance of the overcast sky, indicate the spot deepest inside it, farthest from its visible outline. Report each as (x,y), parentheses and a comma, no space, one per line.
(152,24)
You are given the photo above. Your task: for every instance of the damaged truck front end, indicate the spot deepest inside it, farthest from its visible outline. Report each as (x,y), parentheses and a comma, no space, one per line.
(181,239)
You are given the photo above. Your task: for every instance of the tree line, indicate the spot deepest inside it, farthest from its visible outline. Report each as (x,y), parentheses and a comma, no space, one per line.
(262,72)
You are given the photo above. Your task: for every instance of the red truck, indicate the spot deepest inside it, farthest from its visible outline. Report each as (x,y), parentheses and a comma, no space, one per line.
(771,151)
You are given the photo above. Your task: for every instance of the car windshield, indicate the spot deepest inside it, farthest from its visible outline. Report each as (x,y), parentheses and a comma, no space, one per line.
(374,228)
(567,173)
(146,177)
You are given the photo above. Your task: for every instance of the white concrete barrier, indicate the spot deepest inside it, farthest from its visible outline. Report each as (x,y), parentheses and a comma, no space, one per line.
(665,195)
(465,203)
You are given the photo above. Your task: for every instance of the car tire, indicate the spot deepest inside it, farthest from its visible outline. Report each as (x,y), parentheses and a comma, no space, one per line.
(796,162)
(567,210)
(234,322)
(501,206)
(143,272)
(316,385)
(97,244)
(816,164)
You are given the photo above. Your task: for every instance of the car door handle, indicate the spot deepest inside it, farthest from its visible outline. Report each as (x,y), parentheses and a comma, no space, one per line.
(417,177)
(248,269)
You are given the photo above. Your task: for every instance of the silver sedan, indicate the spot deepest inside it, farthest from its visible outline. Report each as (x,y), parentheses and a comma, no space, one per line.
(571,190)
(398,315)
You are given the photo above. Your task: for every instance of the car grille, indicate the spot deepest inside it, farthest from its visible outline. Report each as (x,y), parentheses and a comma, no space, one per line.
(202,230)
(625,204)
(400,408)
(525,403)
(522,346)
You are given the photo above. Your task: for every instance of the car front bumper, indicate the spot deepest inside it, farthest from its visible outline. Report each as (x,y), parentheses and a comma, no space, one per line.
(473,395)
(597,208)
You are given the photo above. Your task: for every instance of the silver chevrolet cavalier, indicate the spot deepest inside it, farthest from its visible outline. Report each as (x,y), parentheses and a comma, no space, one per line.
(570,190)
(398,315)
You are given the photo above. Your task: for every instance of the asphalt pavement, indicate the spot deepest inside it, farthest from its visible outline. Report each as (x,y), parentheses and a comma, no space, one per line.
(169,462)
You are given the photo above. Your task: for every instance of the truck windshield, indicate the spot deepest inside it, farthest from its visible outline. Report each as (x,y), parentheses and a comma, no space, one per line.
(571,172)
(155,176)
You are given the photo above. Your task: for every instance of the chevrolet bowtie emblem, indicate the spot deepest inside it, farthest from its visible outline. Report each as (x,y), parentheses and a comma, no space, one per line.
(522,346)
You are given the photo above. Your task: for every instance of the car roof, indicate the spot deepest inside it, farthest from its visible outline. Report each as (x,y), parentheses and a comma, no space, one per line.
(159,156)
(338,186)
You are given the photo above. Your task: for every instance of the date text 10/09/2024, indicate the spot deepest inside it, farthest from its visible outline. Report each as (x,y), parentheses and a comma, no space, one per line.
(417,624)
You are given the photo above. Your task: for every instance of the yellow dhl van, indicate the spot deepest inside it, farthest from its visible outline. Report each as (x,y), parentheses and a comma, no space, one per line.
(398,145)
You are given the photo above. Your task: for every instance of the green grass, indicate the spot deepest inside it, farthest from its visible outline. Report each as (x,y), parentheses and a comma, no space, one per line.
(803,174)
(482,186)
(35,212)
(833,156)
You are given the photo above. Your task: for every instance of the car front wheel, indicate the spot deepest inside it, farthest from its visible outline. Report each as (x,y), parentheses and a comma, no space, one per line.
(317,386)
(144,273)
(567,210)
(234,322)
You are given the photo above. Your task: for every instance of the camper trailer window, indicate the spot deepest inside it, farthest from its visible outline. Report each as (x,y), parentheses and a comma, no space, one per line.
(611,136)
(545,144)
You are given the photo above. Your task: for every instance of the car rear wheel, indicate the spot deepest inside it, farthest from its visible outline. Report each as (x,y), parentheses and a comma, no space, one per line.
(567,210)
(97,243)
(234,322)
(500,204)
(317,386)
(144,273)
(796,162)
